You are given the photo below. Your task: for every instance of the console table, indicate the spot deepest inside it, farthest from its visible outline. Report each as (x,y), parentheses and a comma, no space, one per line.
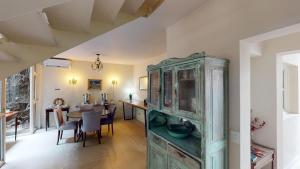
(135,104)
(13,115)
(48,110)
(267,157)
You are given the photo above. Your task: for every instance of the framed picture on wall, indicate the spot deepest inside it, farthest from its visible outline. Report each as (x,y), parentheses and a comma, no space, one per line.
(143,83)
(94,84)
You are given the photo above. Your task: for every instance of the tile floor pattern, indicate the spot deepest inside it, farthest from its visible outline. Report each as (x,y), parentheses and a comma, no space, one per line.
(126,149)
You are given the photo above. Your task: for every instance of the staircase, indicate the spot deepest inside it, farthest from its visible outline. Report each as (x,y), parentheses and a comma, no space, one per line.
(34,30)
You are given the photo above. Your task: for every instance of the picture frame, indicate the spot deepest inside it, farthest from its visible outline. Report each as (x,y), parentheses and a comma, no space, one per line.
(143,82)
(94,84)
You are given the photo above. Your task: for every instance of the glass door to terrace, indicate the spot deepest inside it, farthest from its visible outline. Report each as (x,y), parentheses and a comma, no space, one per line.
(18,104)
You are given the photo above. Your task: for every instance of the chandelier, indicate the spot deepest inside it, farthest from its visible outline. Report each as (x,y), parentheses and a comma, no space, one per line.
(97,65)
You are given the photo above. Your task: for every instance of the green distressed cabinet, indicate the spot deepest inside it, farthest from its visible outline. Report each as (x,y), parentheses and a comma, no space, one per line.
(195,90)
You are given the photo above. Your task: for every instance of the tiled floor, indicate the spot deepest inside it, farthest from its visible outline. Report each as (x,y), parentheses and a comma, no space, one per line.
(126,149)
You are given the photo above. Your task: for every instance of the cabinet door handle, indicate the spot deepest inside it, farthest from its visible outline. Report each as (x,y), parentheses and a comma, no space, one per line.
(175,92)
(181,155)
(156,139)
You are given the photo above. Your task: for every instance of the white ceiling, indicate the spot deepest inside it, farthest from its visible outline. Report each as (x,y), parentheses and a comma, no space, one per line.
(77,18)
(35,31)
(135,41)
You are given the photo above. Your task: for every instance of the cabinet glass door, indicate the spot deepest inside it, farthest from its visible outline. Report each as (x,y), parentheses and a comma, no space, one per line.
(186,80)
(167,89)
(154,88)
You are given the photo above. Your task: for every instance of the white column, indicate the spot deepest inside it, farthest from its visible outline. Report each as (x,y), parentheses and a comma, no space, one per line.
(245,54)
(298,89)
(32,100)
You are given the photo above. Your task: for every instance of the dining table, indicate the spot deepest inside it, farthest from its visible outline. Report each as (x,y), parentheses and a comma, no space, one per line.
(78,114)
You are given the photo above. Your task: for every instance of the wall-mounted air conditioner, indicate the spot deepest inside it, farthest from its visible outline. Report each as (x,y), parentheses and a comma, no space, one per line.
(57,62)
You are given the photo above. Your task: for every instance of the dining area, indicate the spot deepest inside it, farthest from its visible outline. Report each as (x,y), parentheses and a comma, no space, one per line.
(88,120)
(128,143)
(88,124)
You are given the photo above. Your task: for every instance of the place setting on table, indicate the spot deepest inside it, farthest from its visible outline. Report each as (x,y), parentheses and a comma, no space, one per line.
(78,114)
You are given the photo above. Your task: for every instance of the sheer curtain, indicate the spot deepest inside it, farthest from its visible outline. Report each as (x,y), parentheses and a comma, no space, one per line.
(2,124)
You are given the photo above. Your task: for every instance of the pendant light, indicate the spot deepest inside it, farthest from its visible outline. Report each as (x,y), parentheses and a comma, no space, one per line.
(97,65)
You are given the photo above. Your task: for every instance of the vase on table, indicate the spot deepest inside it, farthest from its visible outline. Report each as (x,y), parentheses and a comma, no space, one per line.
(130,96)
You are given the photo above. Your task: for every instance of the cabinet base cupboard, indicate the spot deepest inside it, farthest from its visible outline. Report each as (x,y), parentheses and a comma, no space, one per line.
(188,113)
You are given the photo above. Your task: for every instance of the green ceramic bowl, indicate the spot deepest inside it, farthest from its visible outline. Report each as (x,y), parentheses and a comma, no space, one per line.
(179,130)
(158,121)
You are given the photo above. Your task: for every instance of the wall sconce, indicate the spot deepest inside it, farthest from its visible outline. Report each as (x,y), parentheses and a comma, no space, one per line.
(73,81)
(114,82)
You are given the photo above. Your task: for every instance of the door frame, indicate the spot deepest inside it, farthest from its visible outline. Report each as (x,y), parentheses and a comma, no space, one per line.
(249,47)
(33,95)
(33,98)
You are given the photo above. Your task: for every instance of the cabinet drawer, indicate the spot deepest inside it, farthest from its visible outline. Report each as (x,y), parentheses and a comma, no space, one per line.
(157,141)
(157,158)
(179,156)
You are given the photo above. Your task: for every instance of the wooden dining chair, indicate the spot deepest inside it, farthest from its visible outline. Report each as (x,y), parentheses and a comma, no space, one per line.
(109,120)
(98,108)
(90,123)
(63,125)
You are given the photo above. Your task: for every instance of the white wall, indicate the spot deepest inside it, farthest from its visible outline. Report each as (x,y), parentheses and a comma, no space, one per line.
(291,139)
(217,28)
(58,78)
(140,70)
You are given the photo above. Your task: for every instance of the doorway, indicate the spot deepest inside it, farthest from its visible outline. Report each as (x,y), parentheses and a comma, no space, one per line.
(249,48)
(18,104)
(288,74)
